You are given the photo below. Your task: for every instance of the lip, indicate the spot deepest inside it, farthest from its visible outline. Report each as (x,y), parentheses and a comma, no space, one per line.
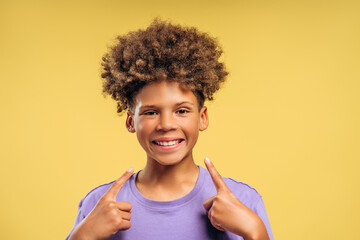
(167,139)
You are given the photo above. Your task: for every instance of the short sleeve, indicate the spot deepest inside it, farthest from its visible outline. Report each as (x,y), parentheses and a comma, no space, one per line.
(261,212)
(87,204)
(80,216)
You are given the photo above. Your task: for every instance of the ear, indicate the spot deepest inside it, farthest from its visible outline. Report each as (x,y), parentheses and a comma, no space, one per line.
(204,119)
(130,121)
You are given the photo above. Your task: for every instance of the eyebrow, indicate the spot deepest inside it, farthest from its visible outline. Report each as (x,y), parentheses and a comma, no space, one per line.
(184,102)
(177,104)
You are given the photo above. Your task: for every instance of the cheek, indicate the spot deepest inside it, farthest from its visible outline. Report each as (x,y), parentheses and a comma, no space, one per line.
(143,129)
(192,129)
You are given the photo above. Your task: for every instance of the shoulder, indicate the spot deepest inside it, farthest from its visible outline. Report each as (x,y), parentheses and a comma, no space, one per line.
(243,191)
(91,198)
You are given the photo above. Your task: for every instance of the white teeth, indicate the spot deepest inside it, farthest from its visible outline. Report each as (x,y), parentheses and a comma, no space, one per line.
(168,143)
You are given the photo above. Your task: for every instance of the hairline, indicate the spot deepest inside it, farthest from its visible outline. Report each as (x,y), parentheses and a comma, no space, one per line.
(198,94)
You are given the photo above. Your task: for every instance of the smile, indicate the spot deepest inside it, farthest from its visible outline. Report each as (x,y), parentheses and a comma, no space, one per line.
(169,143)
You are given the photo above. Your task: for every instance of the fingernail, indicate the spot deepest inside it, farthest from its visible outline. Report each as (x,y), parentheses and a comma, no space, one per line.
(207,160)
(130,169)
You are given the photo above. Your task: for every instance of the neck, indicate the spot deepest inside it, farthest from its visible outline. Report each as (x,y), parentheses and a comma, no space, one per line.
(155,173)
(167,182)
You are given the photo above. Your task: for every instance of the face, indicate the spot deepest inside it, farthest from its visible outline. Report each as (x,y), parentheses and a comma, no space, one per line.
(167,120)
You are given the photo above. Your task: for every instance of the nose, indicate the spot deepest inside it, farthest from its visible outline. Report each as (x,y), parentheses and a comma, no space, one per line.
(166,122)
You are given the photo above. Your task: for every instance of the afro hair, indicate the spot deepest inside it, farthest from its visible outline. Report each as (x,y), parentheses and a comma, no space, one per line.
(163,51)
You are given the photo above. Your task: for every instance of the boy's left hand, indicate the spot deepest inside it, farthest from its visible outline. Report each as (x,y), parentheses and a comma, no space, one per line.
(227,212)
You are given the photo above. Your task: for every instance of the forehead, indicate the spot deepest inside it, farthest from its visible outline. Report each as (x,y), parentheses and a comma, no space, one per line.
(164,91)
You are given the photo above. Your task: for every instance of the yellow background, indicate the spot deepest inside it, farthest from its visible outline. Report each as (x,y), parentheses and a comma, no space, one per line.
(286,121)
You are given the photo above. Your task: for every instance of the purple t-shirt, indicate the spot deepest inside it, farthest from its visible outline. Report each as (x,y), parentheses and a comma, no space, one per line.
(183,218)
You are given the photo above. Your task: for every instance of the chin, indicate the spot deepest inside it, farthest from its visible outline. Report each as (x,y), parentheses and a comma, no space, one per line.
(169,161)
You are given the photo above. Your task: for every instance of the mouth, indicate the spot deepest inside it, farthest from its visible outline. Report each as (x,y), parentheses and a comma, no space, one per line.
(168,144)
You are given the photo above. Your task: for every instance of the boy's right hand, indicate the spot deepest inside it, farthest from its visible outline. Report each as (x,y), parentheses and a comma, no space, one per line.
(108,216)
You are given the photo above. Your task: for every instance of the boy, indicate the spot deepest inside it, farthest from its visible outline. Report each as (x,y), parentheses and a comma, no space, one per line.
(162,76)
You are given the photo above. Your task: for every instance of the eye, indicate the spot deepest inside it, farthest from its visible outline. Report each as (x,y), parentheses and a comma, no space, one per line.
(182,111)
(150,113)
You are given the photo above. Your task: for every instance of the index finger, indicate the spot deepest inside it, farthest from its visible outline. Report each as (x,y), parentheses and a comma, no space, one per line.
(117,185)
(216,177)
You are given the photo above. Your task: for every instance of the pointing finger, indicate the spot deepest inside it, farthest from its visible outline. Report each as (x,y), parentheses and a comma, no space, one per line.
(216,177)
(117,185)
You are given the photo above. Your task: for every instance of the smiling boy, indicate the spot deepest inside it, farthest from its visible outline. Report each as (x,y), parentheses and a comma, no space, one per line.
(162,76)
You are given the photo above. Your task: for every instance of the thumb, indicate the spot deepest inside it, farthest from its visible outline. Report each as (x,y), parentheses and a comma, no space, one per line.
(208,203)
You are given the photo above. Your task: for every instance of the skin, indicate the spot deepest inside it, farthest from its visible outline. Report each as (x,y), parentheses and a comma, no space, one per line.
(108,216)
(165,111)
(226,212)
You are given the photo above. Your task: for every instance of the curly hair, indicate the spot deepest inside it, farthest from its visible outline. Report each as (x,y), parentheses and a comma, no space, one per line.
(163,51)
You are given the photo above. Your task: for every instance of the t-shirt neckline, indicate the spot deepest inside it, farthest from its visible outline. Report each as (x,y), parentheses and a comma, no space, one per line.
(167,204)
